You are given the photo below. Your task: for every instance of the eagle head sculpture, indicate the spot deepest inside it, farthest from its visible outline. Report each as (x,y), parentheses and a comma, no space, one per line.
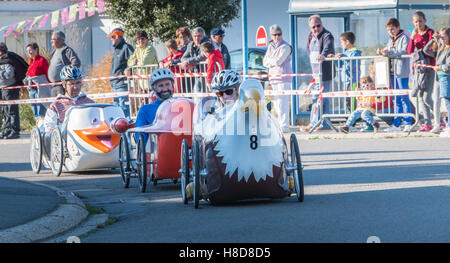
(244,149)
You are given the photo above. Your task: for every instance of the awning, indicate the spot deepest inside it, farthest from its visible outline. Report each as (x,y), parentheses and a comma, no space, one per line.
(325,6)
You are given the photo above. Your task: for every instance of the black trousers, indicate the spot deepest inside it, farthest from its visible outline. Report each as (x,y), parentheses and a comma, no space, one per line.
(11,119)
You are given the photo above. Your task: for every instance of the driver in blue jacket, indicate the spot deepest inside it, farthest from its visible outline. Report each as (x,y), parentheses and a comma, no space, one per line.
(161,81)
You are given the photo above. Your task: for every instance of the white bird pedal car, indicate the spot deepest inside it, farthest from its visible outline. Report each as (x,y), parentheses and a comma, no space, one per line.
(82,142)
(239,153)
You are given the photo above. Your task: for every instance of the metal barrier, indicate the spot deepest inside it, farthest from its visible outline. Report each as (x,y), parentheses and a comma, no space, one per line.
(140,89)
(346,75)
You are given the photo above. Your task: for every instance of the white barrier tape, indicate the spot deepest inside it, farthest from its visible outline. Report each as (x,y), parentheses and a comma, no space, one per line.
(47,100)
(423,65)
(177,75)
(197,95)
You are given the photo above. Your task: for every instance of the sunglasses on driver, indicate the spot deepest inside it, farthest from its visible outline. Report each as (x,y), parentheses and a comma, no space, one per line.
(228,92)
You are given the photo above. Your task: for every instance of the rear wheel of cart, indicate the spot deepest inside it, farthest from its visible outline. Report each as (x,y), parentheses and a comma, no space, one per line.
(124,160)
(141,164)
(36,150)
(196,172)
(184,169)
(298,171)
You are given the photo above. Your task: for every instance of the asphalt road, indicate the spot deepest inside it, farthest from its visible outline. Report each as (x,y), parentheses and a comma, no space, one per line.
(394,189)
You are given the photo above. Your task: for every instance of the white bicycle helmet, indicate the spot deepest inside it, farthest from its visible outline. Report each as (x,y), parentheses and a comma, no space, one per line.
(159,74)
(70,72)
(225,79)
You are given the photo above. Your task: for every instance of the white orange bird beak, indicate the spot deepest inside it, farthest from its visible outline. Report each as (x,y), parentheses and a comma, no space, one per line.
(100,137)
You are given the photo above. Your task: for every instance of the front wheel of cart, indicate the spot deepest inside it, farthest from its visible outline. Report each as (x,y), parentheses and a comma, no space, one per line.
(36,150)
(298,171)
(184,169)
(124,160)
(196,172)
(141,164)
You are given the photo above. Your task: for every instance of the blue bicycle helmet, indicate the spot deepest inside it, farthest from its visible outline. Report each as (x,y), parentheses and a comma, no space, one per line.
(70,72)
(225,79)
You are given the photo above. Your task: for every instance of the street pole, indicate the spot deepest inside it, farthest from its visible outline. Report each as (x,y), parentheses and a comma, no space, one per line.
(244,37)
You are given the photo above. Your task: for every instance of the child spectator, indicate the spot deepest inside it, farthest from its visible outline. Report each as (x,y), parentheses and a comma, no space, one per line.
(351,69)
(432,49)
(396,47)
(170,61)
(423,78)
(442,68)
(366,108)
(214,56)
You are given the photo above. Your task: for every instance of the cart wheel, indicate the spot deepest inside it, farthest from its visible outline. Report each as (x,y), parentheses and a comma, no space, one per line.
(141,164)
(196,170)
(184,170)
(124,160)
(36,150)
(56,151)
(298,173)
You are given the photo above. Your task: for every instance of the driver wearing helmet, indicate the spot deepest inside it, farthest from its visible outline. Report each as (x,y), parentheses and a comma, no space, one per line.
(71,78)
(226,85)
(161,82)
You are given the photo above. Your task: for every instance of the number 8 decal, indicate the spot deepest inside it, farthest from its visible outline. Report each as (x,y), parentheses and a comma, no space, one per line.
(253,142)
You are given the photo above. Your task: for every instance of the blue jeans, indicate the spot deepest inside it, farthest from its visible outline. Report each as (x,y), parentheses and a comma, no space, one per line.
(122,102)
(365,115)
(38,109)
(315,109)
(401,103)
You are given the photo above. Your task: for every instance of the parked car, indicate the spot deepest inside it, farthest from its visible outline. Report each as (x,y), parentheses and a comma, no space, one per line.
(255,63)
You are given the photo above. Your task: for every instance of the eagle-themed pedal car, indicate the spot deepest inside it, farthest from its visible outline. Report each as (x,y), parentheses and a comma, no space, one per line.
(238,152)
(153,156)
(82,142)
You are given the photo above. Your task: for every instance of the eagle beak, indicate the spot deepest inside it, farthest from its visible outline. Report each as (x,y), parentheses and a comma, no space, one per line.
(253,100)
(100,137)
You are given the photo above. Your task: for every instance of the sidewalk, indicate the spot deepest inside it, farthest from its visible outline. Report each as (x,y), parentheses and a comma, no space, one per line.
(31,212)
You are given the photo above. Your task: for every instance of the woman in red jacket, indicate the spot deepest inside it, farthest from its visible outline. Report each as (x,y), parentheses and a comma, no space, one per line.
(172,60)
(215,61)
(420,36)
(37,74)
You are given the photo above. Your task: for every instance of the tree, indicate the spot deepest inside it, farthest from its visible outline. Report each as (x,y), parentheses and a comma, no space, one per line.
(161,18)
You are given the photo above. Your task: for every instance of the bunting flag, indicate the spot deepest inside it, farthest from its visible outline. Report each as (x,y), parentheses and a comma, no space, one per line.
(91,7)
(82,10)
(27,24)
(44,20)
(73,13)
(35,22)
(100,6)
(65,16)
(55,19)
(19,27)
(10,29)
(3,28)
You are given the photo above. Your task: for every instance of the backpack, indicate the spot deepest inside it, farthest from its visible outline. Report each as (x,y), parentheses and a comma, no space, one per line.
(20,66)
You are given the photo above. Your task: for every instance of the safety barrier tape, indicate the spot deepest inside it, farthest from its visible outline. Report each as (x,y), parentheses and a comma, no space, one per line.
(332,94)
(423,65)
(177,75)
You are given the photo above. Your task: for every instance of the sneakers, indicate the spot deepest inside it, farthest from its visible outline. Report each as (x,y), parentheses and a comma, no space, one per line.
(367,129)
(344,129)
(11,136)
(376,126)
(436,129)
(425,128)
(306,128)
(407,128)
(392,128)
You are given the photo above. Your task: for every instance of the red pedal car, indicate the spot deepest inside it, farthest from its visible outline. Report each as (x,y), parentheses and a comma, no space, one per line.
(152,158)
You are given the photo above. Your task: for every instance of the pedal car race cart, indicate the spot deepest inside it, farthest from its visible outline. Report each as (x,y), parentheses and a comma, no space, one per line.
(239,152)
(151,152)
(82,142)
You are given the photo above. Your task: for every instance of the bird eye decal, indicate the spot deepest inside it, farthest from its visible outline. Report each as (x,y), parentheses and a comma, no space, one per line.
(94,121)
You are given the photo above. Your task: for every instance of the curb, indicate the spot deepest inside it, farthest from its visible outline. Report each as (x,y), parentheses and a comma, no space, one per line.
(67,216)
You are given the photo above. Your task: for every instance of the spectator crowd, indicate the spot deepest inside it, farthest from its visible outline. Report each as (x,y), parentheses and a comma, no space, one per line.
(191,47)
